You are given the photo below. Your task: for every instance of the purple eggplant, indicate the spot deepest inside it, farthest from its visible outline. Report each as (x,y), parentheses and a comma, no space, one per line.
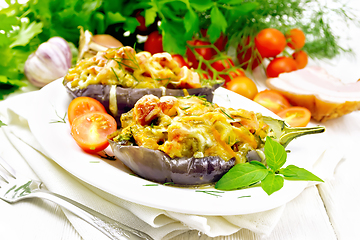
(127,97)
(157,166)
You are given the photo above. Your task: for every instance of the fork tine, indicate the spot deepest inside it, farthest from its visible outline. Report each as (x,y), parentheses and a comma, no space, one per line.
(8,168)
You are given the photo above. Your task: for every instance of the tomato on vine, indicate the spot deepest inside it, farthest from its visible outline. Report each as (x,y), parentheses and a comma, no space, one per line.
(270,42)
(141,20)
(180,60)
(244,86)
(280,65)
(220,43)
(296,38)
(246,54)
(154,43)
(224,65)
(301,59)
(199,46)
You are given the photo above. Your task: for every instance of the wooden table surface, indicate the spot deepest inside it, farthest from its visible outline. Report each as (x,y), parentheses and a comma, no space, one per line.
(328,211)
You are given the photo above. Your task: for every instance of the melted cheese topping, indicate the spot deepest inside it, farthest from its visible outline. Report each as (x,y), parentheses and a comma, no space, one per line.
(191,126)
(126,68)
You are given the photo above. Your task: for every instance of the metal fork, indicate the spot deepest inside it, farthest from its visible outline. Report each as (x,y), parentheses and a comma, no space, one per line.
(14,187)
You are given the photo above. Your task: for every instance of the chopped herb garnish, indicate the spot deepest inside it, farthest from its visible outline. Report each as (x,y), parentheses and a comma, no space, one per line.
(227,114)
(213,193)
(2,124)
(244,196)
(62,119)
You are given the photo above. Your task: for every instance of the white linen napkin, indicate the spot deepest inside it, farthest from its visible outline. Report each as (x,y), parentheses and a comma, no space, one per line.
(159,224)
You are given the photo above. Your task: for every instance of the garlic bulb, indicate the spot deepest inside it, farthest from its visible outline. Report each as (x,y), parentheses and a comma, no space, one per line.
(49,62)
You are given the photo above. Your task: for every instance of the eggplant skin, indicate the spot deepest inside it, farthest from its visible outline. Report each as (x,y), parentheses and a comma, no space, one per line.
(127,97)
(157,166)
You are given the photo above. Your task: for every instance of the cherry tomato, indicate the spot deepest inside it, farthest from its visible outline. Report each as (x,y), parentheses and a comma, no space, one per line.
(90,131)
(243,86)
(193,62)
(296,38)
(80,105)
(233,74)
(272,100)
(222,66)
(141,20)
(301,59)
(246,54)
(220,43)
(206,53)
(296,116)
(180,60)
(280,65)
(154,43)
(270,42)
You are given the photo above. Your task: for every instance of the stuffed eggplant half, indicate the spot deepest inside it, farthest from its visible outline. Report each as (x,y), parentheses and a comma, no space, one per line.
(118,77)
(190,141)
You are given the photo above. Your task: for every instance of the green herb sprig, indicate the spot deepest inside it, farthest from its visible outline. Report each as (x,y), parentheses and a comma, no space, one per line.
(2,124)
(271,177)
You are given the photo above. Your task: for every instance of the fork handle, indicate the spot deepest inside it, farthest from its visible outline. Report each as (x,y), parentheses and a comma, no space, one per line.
(111,228)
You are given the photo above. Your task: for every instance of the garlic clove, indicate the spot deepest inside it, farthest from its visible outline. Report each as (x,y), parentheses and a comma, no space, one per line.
(49,62)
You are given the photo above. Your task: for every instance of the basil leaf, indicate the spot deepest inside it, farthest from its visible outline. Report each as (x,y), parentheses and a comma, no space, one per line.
(260,164)
(293,172)
(275,154)
(241,175)
(272,183)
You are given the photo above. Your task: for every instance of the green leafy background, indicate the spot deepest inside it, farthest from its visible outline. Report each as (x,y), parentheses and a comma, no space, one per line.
(25,26)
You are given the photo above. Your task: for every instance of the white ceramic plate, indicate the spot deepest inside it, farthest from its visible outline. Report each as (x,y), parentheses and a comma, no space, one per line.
(114,178)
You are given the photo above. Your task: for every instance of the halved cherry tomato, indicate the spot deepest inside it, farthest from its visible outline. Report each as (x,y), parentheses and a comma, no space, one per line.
(243,86)
(280,65)
(301,59)
(270,42)
(80,105)
(296,116)
(272,100)
(296,38)
(180,60)
(154,43)
(90,131)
